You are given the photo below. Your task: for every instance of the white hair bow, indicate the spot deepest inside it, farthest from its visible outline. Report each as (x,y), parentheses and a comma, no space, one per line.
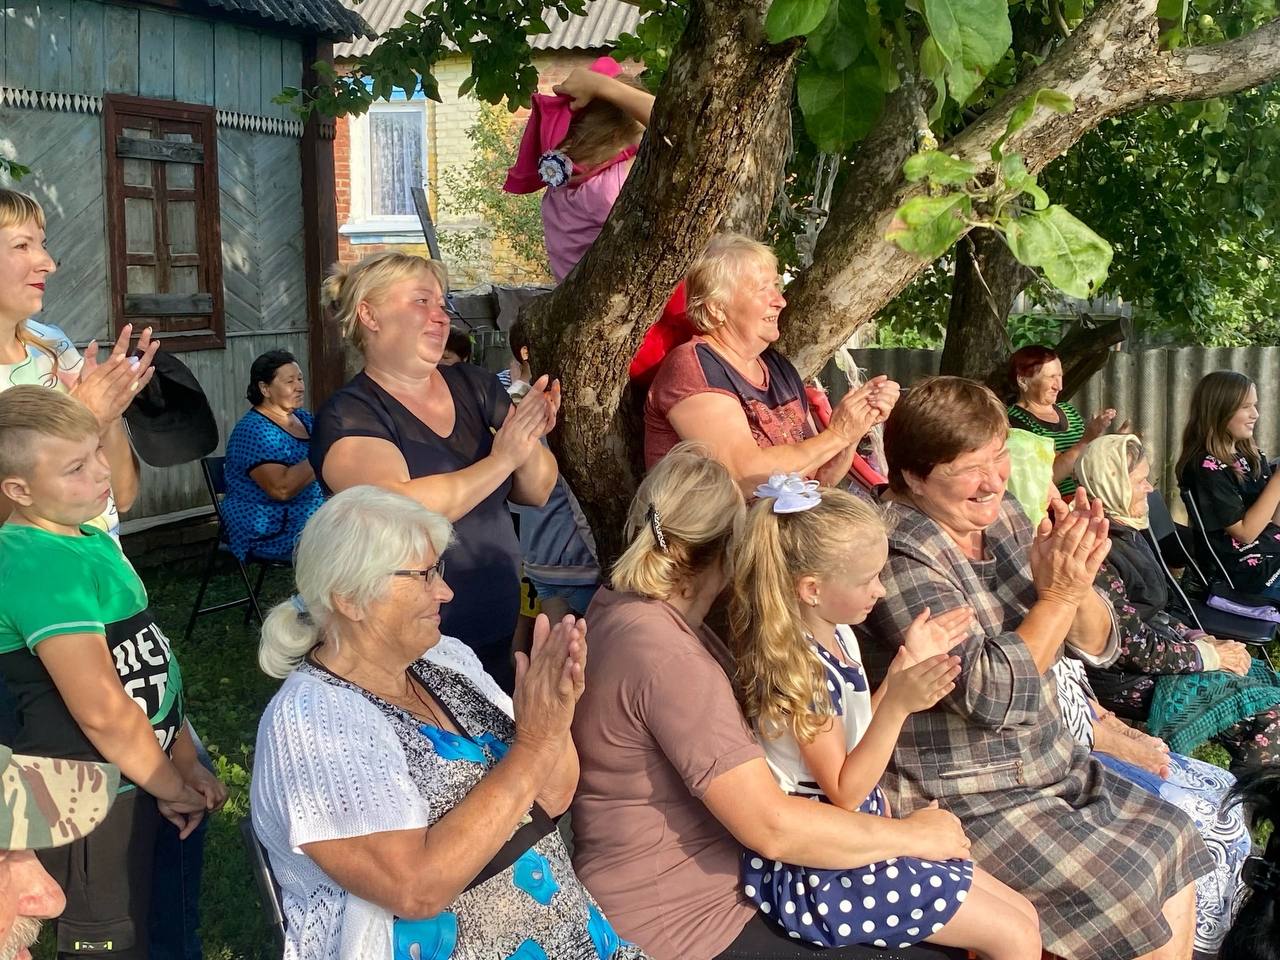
(791,493)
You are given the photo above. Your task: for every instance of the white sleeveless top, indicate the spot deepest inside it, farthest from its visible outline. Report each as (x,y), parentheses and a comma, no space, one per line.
(850,696)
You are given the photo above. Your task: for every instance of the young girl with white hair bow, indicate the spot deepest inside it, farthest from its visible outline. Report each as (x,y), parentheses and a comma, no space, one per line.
(806,568)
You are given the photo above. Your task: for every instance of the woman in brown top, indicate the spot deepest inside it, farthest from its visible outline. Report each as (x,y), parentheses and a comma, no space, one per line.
(673,784)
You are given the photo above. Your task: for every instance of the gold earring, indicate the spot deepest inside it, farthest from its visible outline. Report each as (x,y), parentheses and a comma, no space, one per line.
(813,601)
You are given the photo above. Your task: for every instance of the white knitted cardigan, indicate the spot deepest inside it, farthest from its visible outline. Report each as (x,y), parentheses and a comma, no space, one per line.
(328,766)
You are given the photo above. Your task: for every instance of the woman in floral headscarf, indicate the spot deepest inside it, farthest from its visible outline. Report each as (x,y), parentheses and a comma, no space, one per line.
(1188,686)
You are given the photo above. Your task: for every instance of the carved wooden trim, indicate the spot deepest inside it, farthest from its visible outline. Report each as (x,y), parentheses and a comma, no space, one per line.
(25,99)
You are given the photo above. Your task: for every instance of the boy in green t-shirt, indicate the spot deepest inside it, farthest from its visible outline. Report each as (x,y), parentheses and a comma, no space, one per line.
(90,669)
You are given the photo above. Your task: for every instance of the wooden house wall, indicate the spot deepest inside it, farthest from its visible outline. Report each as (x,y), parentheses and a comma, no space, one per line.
(84,49)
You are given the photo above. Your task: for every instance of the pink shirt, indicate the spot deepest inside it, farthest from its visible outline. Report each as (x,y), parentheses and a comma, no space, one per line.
(573,215)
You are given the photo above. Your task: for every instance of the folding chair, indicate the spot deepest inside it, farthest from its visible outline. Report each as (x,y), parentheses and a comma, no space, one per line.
(268,888)
(1220,623)
(213,470)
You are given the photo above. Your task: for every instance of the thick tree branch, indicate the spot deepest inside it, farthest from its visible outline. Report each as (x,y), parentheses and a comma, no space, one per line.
(718,94)
(1111,65)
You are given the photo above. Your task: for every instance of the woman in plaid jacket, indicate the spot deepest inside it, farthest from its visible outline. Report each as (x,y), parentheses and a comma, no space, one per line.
(1110,868)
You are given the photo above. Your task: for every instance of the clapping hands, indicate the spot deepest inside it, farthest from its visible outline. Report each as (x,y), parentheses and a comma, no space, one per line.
(107,388)
(1066,554)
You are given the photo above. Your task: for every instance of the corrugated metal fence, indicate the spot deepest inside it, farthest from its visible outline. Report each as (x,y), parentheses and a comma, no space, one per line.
(1152,388)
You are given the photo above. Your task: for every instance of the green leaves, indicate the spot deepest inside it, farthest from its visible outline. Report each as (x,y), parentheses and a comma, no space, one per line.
(1073,257)
(939,169)
(839,108)
(841,36)
(794,18)
(12,169)
(971,36)
(928,226)
(1023,112)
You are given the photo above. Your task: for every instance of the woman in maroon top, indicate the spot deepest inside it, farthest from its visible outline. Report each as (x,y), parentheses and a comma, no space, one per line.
(672,782)
(728,389)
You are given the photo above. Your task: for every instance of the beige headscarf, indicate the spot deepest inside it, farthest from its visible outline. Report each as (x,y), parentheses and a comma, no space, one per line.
(1103,471)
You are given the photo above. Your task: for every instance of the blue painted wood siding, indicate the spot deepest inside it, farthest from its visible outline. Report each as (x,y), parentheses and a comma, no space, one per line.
(81,46)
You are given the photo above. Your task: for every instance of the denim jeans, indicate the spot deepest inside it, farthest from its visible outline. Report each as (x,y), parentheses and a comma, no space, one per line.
(175,889)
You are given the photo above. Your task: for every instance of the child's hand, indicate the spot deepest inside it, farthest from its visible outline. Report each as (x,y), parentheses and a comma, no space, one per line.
(208,786)
(185,812)
(919,686)
(929,636)
(581,86)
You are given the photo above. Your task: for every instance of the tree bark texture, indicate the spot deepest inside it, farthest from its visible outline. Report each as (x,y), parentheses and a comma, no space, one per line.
(723,82)
(987,280)
(1111,65)
(719,93)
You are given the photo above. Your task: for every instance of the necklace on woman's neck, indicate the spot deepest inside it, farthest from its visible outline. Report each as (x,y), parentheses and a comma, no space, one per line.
(412,701)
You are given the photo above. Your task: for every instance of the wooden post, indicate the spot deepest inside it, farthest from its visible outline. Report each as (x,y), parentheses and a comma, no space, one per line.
(320,236)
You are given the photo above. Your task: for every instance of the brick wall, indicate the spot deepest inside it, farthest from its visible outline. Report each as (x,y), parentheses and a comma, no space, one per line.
(449,150)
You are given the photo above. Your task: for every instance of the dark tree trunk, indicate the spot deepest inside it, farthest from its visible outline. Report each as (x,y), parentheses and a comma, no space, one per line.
(987,280)
(1084,350)
(1111,65)
(718,94)
(720,91)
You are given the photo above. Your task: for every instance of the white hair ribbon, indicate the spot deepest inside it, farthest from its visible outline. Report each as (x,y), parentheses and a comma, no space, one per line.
(791,493)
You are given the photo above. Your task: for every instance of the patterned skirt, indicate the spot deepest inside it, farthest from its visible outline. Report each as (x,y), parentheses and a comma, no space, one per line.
(895,903)
(1197,789)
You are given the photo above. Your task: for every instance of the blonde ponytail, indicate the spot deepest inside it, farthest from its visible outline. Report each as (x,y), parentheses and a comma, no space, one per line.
(782,685)
(679,523)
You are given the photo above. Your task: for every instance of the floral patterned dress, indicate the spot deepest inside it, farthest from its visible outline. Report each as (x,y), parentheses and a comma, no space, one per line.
(1222,492)
(533,909)
(1158,648)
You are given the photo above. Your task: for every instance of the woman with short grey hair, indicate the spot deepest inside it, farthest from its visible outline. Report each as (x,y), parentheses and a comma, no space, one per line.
(728,389)
(402,797)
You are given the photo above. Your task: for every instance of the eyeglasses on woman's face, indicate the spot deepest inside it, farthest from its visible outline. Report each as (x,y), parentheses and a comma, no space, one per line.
(428,576)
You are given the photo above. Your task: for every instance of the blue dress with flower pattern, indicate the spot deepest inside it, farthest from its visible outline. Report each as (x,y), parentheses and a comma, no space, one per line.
(894,903)
(536,908)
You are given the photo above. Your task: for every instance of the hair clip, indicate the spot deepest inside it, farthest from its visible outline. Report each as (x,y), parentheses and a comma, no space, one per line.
(655,524)
(301,607)
(791,493)
(555,168)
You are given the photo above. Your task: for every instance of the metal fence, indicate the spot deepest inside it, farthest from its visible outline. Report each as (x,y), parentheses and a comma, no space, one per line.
(1151,388)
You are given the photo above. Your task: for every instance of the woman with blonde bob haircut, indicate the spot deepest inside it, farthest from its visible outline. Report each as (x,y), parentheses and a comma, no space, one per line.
(446,436)
(806,569)
(38,353)
(673,783)
(729,389)
(402,797)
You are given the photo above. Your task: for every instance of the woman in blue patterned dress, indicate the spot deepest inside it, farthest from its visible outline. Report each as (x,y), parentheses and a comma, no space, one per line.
(806,567)
(271,487)
(1196,788)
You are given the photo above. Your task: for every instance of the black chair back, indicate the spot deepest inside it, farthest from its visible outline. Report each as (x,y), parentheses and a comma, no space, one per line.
(215,481)
(1202,537)
(268,889)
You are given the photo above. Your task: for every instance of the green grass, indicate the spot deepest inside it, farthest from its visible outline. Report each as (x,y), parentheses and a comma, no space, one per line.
(226,694)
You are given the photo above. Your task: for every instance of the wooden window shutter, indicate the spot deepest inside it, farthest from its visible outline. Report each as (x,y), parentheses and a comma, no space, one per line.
(163,220)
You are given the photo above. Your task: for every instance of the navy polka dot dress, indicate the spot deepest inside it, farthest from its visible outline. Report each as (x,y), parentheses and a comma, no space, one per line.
(894,903)
(256,523)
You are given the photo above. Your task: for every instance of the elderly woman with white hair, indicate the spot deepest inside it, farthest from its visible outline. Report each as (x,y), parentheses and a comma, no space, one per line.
(405,801)
(728,389)
(447,436)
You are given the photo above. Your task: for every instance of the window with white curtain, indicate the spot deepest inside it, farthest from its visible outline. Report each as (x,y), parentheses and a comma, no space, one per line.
(397,157)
